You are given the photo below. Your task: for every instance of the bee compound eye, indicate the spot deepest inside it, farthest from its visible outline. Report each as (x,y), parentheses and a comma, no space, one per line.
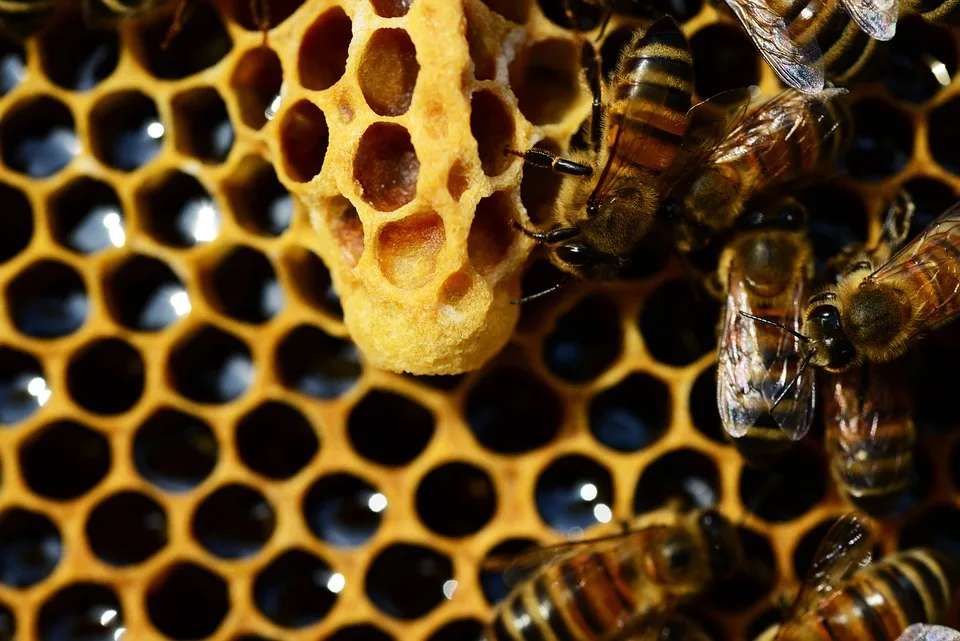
(576,254)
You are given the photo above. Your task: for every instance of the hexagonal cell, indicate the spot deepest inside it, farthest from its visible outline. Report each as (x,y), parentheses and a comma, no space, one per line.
(386,166)
(407,249)
(545,78)
(754,580)
(937,527)
(211,366)
(243,285)
(127,528)
(32,547)
(303,141)
(175,451)
(931,198)
(125,130)
(201,42)
(144,294)
(459,630)
(256,81)
(347,229)
(202,126)
(38,137)
(684,474)
(922,60)
(234,521)
(703,406)
(317,364)
(178,211)
(86,216)
(76,57)
(275,440)
(343,510)
(80,606)
(491,232)
(244,13)
(788,490)
(882,141)
(631,415)
(389,429)
(512,412)
(929,387)
(585,341)
(106,376)
(837,219)
(47,300)
(407,581)
(484,50)
(456,499)
(513,10)
(573,493)
(187,601)
(296,589)
(678,322)
(310,279)
(23,386)
(494,582)
(258,201)
(13,64)
(323,50)
(64,460)
(943,137)
(391,8)
(360,632)
(723,58)
(388,72)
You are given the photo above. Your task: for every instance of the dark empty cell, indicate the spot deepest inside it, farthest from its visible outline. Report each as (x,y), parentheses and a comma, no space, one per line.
(539,188)
(144,294)
(682,10)
(574,492)
(178,211)
(201,43)
(202,126)
(106,377)
(388,72)
(126,130)
(47,300)
(931,198)
(81,612)
(631,415)
(944,137)
(686,474)
(244,286)
(187,602)
(837,219)
(882,141)
(456,499)
(922,60)
(30,547)
(211,366)
(323,50)
(175,451)
(679,322)
(251,637)
(303,141)
(256,81)
(310,279)
(391,8)
(316,364)
(492,126)
(586,340)
(937,527)
(75,56)
(360,632)
(588,14)
(13,65)
(703,405)
(277,11)
(38,137)
(386,166)
(723,58)
(127,528)
(497,576)
(612,49)
(233,522)
(87,217)
(545,77)
(17,222)
(754,578)
(297,589)
(8,624)
(764,622)
(344,510)
(23,386)
(930,385)
(276,440)
(460,630)
(788,490)
(389,429)
(407,581)
(512,412)
(64,460)
(258,201)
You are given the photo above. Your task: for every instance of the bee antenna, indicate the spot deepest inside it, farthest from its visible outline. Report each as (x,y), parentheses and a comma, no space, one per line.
(765,321)
(549,290)
(793,381)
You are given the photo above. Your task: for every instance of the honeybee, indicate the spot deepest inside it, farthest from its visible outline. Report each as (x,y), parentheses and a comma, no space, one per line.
(921,632)
(621,587)
(21,18)
(766,269)
(843,597)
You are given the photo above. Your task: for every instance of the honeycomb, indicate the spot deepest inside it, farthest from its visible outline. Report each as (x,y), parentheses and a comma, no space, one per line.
(193,448)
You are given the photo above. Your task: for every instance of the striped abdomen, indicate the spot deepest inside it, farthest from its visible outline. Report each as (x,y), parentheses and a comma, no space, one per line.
(22,18)
(870,434)
(651,95)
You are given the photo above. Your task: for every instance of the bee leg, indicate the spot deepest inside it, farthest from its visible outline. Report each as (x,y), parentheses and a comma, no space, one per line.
(180,15)
(590,61)
(546,292)
(546,160)
(260,10)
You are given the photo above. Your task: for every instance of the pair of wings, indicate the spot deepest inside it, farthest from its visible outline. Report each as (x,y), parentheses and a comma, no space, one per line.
(923,632)
(800,64)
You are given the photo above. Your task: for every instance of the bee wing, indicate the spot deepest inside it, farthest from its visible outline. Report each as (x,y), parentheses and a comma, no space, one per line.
(846,548)
(923,632)
(877,18)
(800,66)
(739,399)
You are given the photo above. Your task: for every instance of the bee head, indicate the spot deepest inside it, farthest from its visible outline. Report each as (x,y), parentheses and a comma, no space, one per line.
(831,348)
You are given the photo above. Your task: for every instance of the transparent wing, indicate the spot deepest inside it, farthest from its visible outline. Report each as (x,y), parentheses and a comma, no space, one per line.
(800,66)
(923,632)
(877,18)
(739,398)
